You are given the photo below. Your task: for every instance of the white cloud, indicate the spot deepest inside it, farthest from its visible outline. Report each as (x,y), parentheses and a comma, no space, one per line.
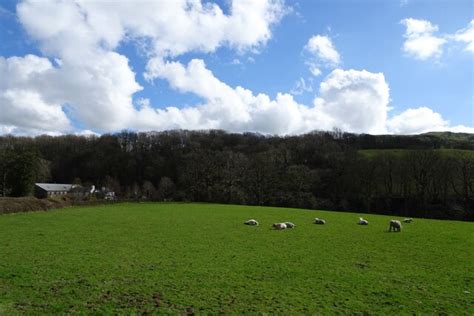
(28,110)
(466,35)
(172,27)
(301,86)
(6,129)
(356,101)
(414,121)
(322,47)
(416,27)
(23,106)
(422,120)
(235,61)
(98,94)
(97,84)
(323,54)
(235,109)
(421,42)
(461,129)
(315,71)
(87,133)
(353,100)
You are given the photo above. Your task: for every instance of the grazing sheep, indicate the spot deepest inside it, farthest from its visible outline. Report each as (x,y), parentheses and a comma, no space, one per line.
(363,221)
(395,226)
(251,222)
(408,220)
(279,226)
(290,225)
(319,221)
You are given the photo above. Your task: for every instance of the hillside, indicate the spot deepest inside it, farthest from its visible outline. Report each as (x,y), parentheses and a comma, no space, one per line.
(428,175)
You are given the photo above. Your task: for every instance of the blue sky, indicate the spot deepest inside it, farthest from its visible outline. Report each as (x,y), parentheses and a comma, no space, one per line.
(424,86)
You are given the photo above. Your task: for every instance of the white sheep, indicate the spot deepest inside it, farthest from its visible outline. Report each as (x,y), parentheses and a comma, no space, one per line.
(251,222)
(279,226)
(395,226)
(290,225)
(363,221)
(319,221)
(408,220)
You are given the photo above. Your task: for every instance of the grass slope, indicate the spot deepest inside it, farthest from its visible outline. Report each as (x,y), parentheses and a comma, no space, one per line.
(178,258)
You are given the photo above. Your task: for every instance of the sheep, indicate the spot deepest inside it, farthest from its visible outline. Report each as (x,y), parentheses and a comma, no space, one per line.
(251,222)
(363,221)
(395,226)
(408,220)
(290,225)
(319,221)
(279,226)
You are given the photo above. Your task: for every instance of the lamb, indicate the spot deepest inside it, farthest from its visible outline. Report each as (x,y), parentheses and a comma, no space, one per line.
(363,221)
(251,222)
(279,226)
(408,220)
(395,226)
(290,225)
(319,221)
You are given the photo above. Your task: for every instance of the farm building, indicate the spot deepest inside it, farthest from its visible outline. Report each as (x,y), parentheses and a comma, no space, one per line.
(105,193)
(44,190)
(79,191)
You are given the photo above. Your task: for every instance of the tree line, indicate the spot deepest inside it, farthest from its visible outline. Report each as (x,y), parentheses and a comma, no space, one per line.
(429,175)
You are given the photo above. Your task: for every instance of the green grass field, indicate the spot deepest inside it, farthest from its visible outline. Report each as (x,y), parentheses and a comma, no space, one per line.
(183,258)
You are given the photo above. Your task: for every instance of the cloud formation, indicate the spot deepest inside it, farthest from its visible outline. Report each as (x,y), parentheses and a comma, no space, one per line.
(421,41)
(235,109)
(422,120)
(323,54)
(356,101)
(95,82)
(23,106)
(466,36)
(82,78)
(353,100)
(417,120)
(171,28)
(301,86)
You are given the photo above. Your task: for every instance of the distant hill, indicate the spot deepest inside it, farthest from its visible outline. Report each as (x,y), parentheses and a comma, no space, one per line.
(452,136)
(431,140)
(371,153)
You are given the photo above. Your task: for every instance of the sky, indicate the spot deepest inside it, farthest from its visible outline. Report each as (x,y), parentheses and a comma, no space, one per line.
(282,68)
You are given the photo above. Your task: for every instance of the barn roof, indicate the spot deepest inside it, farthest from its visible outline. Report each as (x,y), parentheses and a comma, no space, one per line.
(54,186)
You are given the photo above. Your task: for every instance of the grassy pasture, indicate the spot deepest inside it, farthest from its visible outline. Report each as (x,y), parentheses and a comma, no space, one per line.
(183,258)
